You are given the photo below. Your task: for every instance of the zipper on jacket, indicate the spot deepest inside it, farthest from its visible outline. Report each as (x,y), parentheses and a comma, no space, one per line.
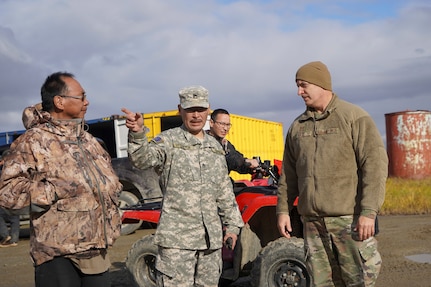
(314,159)
(88,162)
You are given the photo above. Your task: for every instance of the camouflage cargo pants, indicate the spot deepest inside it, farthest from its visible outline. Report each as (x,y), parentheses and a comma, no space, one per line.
(334,258)
(188,268)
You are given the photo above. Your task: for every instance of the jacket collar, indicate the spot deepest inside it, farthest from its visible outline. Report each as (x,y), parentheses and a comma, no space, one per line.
(310,113)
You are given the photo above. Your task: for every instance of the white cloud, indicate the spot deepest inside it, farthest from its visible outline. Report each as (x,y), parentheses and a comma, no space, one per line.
(138,54)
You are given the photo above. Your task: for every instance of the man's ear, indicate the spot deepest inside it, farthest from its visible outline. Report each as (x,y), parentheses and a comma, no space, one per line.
(211,122)
(58,103)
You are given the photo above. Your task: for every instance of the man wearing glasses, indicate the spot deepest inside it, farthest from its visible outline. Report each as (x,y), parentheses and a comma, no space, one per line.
(65,176)
(219,128)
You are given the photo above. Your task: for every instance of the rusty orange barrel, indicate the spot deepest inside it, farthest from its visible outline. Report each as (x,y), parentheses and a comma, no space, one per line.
(408,141)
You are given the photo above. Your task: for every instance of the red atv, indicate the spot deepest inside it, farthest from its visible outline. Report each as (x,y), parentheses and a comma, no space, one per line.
(269,260)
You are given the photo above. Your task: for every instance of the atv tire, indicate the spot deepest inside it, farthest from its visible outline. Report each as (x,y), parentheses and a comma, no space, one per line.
(281,263)
(141,262)
(128,199)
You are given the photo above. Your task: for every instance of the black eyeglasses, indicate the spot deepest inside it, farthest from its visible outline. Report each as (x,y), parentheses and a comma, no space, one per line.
(82,98)
(225,125)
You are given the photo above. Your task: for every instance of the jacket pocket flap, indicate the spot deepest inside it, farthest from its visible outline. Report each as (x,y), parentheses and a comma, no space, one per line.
(82,203)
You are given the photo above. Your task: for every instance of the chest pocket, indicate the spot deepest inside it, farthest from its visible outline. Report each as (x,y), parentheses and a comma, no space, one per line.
(185,163)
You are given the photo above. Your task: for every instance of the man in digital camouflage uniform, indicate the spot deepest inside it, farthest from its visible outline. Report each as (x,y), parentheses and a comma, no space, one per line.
(198,196)
(335,161)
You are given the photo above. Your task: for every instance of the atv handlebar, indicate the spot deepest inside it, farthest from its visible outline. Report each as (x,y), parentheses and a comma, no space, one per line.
(266,170)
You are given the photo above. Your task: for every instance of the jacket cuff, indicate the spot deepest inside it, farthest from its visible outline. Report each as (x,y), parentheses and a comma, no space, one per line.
(137,135)
(232,229)
(369,213)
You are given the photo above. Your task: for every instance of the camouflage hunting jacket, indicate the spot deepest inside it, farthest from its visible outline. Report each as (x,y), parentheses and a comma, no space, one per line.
(66,177)
(198,195)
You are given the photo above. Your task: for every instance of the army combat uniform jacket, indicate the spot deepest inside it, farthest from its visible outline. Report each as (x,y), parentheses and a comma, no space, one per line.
(66,177)
(195,185)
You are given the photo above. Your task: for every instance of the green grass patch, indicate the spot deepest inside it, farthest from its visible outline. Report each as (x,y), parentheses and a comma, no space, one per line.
(407,196)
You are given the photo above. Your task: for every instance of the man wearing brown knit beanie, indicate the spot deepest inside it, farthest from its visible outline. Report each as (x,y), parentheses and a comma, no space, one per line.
(336,163)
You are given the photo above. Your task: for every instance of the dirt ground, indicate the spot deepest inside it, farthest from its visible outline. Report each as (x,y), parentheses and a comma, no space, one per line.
(400,238)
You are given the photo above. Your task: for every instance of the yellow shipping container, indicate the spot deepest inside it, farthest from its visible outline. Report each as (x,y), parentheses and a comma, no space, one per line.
(250,136)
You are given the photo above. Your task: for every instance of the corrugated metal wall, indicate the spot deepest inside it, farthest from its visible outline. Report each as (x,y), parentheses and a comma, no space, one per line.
(255,137)
(408,136)
(154,121)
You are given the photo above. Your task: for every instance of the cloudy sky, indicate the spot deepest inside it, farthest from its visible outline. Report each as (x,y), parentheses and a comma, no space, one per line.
(139,53)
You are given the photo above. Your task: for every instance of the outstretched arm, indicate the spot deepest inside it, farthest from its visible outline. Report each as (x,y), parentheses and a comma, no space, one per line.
(134,121)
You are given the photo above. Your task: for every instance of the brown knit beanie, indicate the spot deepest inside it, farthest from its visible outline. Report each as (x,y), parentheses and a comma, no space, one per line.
(315,73)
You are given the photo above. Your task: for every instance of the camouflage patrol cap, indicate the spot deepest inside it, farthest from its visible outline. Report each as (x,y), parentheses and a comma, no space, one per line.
(194,96)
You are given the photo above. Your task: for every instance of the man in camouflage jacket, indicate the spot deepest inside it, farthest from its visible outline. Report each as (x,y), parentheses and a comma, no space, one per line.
(198,195)
(66,177)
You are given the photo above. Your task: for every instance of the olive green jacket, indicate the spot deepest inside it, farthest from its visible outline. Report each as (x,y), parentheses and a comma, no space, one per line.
(335,163)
